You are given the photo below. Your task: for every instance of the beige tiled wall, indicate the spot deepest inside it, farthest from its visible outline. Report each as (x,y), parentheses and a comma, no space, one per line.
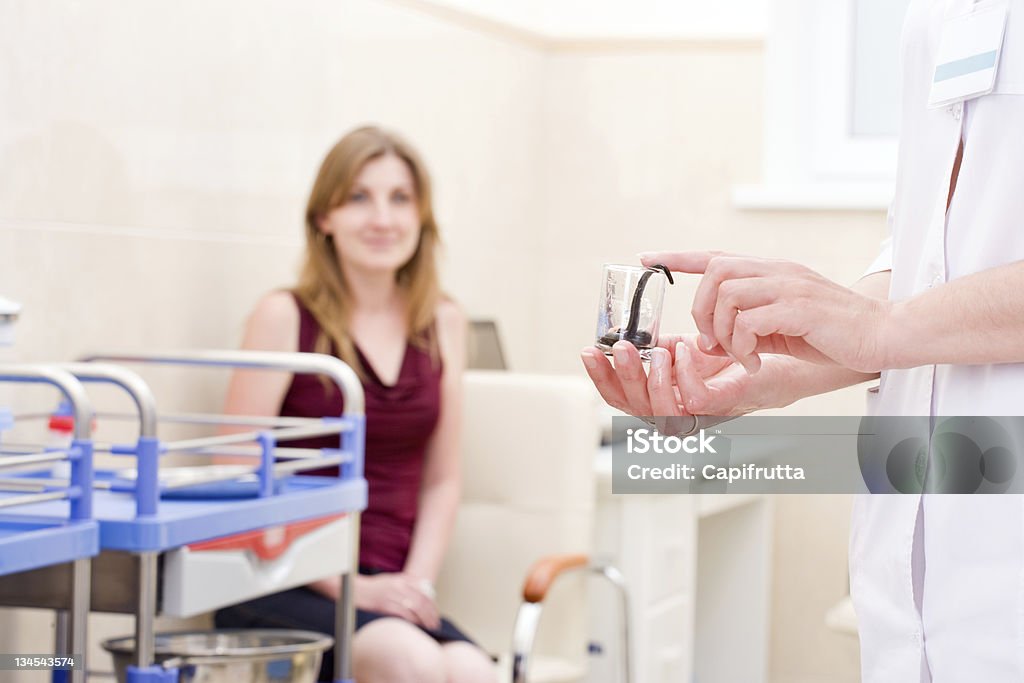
(154,160)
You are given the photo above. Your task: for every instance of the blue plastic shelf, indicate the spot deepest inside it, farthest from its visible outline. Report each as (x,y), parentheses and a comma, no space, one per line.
(32,541)
(180,522)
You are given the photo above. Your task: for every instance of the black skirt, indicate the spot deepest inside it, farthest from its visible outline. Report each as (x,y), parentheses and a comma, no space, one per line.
(306,610)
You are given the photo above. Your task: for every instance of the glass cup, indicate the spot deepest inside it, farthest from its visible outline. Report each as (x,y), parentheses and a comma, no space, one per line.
(630,309)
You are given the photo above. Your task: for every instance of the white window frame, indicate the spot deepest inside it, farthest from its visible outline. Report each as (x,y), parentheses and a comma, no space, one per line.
(811,158)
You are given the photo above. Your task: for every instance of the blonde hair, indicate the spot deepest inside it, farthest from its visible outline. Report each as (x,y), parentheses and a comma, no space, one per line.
(321,287)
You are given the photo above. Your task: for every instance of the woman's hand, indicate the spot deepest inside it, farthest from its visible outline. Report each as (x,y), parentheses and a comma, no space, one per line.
(683,380)
(401,595)
(748,306)
(398,594)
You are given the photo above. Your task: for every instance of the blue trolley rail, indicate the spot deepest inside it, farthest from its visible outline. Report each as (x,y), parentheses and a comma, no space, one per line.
(145,516)
(31,540)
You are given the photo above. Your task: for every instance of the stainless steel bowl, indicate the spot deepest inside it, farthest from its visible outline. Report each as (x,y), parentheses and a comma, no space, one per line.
(231,656)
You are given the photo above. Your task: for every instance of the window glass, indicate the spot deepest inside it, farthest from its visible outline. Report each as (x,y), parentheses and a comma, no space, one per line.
(876,78)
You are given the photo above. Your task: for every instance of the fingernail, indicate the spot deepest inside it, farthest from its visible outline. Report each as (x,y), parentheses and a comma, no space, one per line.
(658,359)
(645,254)
(706,343)
(589,360)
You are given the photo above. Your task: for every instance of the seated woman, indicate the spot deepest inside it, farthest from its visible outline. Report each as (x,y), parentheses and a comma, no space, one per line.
(369,294)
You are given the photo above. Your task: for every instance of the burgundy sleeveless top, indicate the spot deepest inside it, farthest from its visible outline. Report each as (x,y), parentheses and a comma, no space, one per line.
(400,420)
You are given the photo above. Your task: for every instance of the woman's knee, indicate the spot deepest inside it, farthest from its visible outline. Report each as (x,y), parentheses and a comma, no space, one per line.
(466,663)
(395,651)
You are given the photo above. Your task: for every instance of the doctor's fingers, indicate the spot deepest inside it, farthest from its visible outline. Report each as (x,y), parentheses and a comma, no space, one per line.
(735,296)
(632,378)
(604,377)
(695,394)
(669,341)
(660,388)
(681,261)
(727,268)
(706,363)
(758,329)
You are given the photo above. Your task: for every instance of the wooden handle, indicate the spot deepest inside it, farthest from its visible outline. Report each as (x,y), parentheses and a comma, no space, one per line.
(546,570)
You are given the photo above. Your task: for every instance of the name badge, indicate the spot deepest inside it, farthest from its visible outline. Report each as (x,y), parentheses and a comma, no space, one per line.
(968,56)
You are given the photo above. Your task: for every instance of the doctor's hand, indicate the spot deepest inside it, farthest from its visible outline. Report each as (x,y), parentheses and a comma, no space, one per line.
(683,380)
(748,306)
(401,595)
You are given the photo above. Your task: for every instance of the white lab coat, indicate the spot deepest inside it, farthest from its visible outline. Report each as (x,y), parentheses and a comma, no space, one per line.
(938,581)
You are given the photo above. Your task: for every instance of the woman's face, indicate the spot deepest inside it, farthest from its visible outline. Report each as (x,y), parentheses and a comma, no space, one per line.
(377,228)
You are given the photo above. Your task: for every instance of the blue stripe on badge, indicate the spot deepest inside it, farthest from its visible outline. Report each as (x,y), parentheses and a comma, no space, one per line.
(967,65)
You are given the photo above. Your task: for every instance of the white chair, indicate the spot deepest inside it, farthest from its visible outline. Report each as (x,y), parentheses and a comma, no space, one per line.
(528,502)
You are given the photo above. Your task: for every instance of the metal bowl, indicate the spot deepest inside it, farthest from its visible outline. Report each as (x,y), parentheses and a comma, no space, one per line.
(231,656)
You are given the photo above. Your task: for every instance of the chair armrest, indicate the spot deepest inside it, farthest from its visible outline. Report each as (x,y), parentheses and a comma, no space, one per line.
(544,572)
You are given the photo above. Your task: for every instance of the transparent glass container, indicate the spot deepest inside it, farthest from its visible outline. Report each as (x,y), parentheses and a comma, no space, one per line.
(630,306)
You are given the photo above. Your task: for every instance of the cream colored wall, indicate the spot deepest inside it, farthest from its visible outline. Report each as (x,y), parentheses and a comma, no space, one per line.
(154,159)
